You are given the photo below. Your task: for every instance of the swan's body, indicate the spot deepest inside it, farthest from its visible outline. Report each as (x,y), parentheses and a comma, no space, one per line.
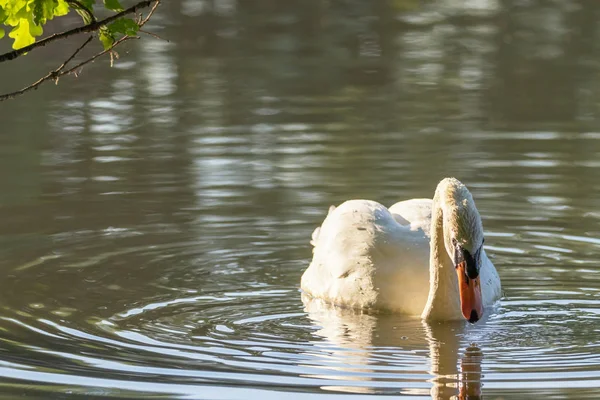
(402,259)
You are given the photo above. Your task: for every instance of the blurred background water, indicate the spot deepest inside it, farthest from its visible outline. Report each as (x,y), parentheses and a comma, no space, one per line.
(156,215)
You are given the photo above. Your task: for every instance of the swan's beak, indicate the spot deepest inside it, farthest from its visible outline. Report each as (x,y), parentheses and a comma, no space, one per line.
(470,294)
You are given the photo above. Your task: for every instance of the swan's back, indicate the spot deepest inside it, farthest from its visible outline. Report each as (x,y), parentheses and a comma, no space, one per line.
(415,213)
(365,258)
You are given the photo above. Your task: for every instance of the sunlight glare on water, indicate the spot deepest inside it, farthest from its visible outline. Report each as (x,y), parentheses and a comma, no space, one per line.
(156,216)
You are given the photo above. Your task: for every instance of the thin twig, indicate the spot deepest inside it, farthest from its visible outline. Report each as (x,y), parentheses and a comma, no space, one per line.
(154,35)
(115,44)
(94,26)
(54,74)
(60,71)
(74,54)
(150,13)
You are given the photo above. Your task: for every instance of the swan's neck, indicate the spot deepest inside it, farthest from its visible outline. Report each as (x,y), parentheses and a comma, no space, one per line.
(444,300)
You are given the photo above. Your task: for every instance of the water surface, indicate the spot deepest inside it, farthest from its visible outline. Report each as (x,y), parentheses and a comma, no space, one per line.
(156,216)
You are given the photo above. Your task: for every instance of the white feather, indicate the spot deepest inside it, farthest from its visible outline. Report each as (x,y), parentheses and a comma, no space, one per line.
(370,257)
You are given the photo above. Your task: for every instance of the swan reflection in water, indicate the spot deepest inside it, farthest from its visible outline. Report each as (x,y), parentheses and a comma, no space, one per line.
(385,354)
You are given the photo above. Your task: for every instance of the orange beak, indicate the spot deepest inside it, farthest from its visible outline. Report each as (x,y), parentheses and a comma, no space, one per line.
(470,294)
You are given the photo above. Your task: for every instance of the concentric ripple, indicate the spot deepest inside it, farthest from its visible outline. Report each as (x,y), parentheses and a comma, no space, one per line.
(237,319)
(155,217)
(199,298)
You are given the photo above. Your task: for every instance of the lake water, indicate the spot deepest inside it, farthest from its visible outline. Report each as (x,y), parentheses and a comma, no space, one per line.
(156,216)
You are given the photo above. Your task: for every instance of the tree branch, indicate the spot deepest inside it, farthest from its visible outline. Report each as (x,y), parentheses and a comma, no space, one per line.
(142,22)
(154,35)
(60,70)
(91,59)
(94,26)
(55,74)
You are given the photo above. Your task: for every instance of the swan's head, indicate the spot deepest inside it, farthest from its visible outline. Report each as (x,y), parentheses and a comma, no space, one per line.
(463,239)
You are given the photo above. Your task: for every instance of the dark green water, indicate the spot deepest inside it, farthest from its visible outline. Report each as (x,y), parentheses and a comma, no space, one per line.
(156,216)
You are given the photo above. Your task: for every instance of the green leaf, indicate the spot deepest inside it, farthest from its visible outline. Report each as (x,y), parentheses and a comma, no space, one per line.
(62,8)
(15,10)
(42,11)
(86,14)
(1,33)
(85,10)
(38,12)
(2,14)
(88,3)
(106,38)
(113,5)
(24,33)
(124,26)
(45,10)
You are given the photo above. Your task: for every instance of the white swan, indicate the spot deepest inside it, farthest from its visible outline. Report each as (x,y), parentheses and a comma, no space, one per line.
(421,256)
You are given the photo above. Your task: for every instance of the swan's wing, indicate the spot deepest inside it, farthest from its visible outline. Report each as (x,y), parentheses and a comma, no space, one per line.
(362,256)
(414,213)
(348,234)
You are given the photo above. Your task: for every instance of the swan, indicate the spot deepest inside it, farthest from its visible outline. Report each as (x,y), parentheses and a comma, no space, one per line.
(420,257)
